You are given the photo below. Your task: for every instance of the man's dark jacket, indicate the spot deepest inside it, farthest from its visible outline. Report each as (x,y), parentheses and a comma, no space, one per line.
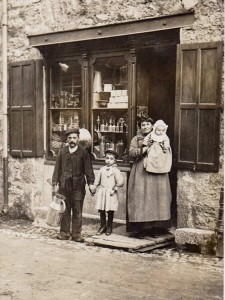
(75,166)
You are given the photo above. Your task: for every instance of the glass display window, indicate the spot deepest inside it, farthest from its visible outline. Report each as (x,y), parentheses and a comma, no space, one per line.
(110,106)
(92,92)
(65,100)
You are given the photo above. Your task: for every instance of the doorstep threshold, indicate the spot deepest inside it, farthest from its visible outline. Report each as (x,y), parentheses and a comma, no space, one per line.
(129,243)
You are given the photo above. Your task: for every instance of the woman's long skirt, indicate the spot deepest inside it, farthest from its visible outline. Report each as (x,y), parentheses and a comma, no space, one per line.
(149,199)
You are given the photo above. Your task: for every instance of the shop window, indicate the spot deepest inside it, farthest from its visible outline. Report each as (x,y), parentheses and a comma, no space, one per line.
(93,93)
(110,106)
(66,101)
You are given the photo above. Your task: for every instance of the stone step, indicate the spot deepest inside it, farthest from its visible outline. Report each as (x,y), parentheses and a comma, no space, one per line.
(204,241)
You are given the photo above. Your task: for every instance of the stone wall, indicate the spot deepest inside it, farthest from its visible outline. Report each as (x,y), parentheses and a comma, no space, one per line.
(25,186)
(198,197)
(208,22)
(41,16)
(198,193)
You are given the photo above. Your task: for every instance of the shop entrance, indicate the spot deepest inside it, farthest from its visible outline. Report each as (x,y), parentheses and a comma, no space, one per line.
(156,80)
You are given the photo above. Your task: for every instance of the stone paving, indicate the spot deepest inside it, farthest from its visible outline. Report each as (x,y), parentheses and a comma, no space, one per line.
(35,265)
(39,230)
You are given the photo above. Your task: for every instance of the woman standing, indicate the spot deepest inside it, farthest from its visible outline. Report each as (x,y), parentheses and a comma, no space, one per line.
(149,194)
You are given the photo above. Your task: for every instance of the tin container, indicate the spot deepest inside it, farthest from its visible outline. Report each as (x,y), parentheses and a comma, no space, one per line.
(56,209)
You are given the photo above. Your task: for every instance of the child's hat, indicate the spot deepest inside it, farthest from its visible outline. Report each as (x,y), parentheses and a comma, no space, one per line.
(159,123)
(111,151)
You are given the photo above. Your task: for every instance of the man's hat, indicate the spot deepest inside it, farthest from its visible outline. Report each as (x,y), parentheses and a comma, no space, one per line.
(72,130)
(111,151)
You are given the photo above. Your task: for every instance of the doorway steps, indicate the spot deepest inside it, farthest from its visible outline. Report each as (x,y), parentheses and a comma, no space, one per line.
(119,239)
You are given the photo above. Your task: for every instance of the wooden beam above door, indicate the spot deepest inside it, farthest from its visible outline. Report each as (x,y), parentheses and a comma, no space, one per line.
(113,30)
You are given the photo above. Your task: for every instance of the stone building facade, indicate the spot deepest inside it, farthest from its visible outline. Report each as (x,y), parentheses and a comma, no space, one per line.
(198,193)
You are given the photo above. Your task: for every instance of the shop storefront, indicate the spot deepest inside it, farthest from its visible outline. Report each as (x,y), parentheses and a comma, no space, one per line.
(102,79)
(100,66)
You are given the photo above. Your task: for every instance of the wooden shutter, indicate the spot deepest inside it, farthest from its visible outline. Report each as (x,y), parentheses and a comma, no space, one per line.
(198,87)
(26,109)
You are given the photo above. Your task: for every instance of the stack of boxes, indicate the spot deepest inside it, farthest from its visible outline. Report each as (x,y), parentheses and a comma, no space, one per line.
(117,98)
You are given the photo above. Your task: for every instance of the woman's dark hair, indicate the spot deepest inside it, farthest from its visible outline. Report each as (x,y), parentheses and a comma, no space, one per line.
(144,119)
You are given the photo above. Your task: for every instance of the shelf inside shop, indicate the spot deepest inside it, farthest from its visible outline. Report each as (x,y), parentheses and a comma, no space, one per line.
(116,132)
(65,108)
(109,108)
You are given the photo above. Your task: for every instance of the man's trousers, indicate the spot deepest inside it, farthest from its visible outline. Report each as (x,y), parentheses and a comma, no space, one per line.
(74,206)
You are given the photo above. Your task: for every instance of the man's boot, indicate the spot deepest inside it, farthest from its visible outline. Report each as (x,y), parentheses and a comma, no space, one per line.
(102,228)
(110,222)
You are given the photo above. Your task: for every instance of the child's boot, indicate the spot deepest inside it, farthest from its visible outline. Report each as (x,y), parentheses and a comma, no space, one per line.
(102,228)
(110,222)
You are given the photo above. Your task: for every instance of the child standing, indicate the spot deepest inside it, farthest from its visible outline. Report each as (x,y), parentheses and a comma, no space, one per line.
(109,179)
(159,154)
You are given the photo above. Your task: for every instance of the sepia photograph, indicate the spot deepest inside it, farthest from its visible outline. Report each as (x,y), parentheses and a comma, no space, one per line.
(112,150)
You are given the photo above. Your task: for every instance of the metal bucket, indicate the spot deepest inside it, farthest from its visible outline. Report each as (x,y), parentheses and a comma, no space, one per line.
(56,209)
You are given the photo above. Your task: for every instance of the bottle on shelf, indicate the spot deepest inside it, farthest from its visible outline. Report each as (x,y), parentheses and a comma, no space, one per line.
(110,125)
(98,123)
(112,145)
(113,126)
(53,101)
(61,99)
(65,99)
(102,147)
(120,148)
(107,145)
(121,122)
(117,127)
(102,126)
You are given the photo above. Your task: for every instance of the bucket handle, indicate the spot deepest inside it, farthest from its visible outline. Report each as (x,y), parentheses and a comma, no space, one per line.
(63,206)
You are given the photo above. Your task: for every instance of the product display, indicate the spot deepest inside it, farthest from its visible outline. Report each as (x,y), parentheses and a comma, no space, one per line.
(111,130)
(107,96)
(65,102)
(110,104)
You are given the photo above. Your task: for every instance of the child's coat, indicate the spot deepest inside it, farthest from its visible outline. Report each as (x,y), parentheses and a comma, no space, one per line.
(156,160)
(106,179)
(159,154)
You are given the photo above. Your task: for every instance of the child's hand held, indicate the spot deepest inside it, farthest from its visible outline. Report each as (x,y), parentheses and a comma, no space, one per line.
(112,192)
(92,189)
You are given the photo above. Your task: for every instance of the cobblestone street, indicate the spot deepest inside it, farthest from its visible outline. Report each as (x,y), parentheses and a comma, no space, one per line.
(35,265)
